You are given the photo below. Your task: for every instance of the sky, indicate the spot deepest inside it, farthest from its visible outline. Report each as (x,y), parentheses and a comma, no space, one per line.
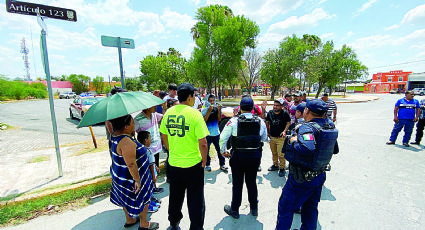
(386,34)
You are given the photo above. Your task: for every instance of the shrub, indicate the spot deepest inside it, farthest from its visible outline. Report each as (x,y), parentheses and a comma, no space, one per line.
(18,90)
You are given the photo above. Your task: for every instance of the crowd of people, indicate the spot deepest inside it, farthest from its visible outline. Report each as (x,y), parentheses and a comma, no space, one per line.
(298,130)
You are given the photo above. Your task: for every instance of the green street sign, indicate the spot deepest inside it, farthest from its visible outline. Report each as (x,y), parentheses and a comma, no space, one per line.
(117,42)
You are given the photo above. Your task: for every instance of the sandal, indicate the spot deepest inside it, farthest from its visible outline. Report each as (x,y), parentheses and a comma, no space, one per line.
(129,225)
(152,226)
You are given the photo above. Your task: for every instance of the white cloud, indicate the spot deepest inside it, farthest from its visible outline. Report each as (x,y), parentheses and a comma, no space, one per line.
(415,16)
(327,36)
(349,34)
(149,48)
(376,41)
(176,20)
(306,21)
(270,40)
(259,11)
(107,12)
(150,25)
(196,2)
(61,39)
(189,49)
(395,26)
(364,7)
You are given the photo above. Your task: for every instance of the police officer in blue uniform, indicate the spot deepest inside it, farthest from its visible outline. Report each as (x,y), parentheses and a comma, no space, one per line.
(308,152)
(247,131)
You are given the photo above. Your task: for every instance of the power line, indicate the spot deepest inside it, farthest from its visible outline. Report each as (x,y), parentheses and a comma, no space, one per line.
(397,64)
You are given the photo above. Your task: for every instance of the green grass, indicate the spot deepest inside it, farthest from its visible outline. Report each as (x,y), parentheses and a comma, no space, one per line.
(22,211)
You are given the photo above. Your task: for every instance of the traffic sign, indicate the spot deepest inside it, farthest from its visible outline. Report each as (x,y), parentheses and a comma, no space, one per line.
(33,9)
(116,41)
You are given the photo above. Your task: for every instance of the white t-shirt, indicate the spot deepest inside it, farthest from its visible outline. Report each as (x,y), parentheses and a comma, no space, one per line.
(197,103)
(166,98)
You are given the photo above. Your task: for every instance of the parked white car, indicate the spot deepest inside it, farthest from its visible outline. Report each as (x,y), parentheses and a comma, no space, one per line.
(67,95)
(419,91)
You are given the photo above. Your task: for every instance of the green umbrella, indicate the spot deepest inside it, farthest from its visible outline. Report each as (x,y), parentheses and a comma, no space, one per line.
(118,105)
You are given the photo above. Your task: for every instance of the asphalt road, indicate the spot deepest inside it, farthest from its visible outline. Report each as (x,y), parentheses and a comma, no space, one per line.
(35,115)
(371,185)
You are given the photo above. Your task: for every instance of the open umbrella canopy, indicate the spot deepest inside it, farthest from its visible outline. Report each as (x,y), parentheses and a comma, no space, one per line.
(118,105)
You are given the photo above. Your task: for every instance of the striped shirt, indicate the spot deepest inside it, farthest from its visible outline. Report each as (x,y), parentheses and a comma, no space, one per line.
(331,108)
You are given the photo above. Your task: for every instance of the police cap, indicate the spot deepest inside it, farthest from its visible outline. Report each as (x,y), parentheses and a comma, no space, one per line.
(246,104)
(317,106)
(301,107)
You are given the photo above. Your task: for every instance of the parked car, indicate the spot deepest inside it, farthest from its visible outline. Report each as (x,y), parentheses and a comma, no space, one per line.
(80,105)
(419,91)
(396,90)
(85,95)
(67,95)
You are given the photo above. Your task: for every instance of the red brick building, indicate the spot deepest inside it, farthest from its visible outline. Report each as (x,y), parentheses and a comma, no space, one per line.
(384,82)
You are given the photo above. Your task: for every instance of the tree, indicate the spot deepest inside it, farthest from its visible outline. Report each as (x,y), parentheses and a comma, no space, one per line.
(116,79)
(250,70)
(294,51)
(133,84)
(98,84)
(158,71)
(79,83)
(332,67)
(221,39)
(276,70)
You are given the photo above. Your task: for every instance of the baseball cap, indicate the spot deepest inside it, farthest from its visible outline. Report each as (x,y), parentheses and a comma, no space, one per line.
(280,101)
(317,106)
(246,104)
(186,86)
(288,95)
(301,107)
(296,94)
(162,94)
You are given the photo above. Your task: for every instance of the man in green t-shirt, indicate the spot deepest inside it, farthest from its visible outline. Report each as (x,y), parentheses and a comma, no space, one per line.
(183,132)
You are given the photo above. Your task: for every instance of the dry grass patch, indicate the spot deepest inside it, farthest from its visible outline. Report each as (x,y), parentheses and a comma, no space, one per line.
(39,159)
(87,147)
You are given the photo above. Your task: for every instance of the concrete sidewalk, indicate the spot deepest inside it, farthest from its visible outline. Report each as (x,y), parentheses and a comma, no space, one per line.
(371,185)
(22,177)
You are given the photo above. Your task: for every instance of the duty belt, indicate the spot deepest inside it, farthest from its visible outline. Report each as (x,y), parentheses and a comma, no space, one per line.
(302,175)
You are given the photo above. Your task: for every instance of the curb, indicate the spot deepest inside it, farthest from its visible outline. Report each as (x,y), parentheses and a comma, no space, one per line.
(57,191)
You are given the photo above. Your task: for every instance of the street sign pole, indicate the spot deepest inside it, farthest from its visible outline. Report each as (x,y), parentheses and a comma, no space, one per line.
(120,57)
(41,11)
(45,59)
(120,43)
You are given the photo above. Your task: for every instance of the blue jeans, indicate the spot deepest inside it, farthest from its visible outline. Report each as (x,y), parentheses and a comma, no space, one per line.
(215,141)
(295,195)
(408,129)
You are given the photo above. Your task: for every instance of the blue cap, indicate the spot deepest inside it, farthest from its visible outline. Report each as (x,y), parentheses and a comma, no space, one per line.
(301,107)
(246,104)
(317,106)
